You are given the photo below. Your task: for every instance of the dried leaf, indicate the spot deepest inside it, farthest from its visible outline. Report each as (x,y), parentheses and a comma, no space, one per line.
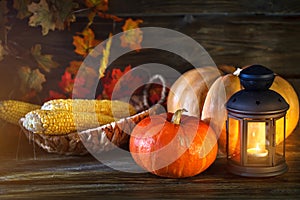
(74,67)
(41,16)
(85,42)
(99,5)
(31,79)
(63,13)
(133,36)
(105,57)
(45,62)
(54,15)
(21,7)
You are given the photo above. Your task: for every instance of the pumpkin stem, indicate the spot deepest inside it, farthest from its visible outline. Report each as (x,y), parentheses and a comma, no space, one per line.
(177,116)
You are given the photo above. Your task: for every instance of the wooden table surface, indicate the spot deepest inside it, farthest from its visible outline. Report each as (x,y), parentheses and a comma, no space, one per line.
(28,172)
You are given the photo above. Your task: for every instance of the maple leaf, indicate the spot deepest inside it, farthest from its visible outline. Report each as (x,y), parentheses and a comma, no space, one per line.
(105,57)
(53,15)
(67,82)
(133,36)
(63,13)
(45,62)
(84,81)
(31,79)
(21,7)
(85,42)
(74,67)
(120,89)
(89,76)
(41,16)
(99,5)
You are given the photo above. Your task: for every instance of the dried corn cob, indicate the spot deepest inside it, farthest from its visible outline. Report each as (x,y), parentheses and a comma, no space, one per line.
(12,111)
(115,108)
(58,122)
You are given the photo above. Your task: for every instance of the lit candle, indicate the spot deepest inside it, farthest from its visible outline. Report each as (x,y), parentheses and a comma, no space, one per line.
(257,151)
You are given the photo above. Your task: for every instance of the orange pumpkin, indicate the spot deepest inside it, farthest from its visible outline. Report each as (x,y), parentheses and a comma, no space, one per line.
(224,87)
(173,145)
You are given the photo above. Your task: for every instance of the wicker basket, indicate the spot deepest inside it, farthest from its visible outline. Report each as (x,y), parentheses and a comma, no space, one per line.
(99,139)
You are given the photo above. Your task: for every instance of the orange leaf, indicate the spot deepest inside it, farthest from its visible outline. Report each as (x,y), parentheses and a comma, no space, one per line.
(109,16)
(100,5)
(85,42)
(104,61)
(133,36)
(74,67)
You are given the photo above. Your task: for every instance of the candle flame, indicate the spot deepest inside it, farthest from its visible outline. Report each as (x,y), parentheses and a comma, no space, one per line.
(257,147)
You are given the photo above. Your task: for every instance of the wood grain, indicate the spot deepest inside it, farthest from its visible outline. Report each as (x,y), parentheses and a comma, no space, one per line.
(54,176)
(239,40)
(202,7)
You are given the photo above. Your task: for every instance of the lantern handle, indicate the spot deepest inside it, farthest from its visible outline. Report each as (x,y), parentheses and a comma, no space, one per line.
(237,72)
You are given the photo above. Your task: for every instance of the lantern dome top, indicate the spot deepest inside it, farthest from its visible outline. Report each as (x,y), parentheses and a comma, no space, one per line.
(256,77)
(257,98)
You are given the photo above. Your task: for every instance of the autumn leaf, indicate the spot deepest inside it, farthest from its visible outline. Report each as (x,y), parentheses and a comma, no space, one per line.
(41,16)
(63,13)
(84,81)
(74,67)
(132,35)
(45,62)
(99,5)
(31,79)
(85,42)
(120,89)
(105,57)
(51,16)
(21,7)
(67,82)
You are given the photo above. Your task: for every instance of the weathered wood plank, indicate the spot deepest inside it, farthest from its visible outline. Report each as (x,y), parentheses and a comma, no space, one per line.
(51,175)
(272,41)
(202,7)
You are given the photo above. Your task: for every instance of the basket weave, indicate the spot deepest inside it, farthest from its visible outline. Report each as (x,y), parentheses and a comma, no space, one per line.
(99,139)
(102,138)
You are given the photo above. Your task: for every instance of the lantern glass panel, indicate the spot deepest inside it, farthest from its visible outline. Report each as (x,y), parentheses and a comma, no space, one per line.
(234,140)
(279,126)
(258,144)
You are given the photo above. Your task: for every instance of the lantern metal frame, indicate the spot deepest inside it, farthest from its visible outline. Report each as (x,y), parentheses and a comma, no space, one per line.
(256,103)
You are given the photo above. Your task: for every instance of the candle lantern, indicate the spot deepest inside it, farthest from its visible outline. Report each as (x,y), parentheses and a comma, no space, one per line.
(256,117)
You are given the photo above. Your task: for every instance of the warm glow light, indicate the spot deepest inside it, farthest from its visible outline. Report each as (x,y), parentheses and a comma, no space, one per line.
(257,151)
(256,139)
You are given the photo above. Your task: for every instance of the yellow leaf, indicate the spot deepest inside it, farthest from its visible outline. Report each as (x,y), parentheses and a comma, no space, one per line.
(85,42)
(99,5)
(133,36)
(105,57)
